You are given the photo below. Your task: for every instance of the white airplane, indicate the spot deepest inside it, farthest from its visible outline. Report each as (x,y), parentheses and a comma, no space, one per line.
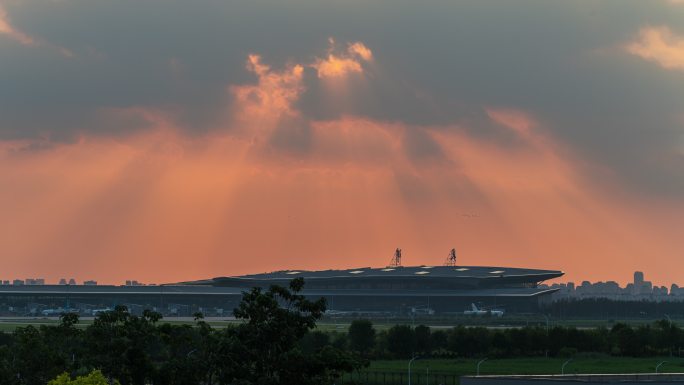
(58,311)
(481,312)
(422,311)
(52,312)
(98,311)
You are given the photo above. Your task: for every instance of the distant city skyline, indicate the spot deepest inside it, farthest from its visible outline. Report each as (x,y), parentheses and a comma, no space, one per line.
(582,288)
(638,289)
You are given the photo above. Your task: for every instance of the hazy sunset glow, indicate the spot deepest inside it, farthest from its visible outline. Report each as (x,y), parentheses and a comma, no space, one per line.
(331,149)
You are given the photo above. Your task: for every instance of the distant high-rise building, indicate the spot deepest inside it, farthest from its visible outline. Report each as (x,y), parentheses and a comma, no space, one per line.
(639,287)
(90,283)
(72,281)
(663,290)
(647,287)
(62,281)
(18,282)
(638,278)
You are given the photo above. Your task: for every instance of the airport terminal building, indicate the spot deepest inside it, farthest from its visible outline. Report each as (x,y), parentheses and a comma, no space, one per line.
(394,290)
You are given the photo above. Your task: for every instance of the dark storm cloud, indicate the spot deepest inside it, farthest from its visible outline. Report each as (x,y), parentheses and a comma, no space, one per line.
(435,63)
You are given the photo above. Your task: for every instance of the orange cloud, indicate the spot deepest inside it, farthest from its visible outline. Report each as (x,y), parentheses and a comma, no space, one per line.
(9,30)
(361,50)
(660,45)
(334,66)
(340,64)
(12,32)
(518,121)
(258,107)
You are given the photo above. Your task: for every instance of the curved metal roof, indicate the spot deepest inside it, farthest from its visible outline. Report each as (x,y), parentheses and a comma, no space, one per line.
(478,272)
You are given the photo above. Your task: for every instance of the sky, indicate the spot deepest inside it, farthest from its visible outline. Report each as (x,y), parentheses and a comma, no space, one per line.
(171,140)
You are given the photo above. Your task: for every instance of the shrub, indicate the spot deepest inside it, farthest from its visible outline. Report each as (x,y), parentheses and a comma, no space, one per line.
(93,378)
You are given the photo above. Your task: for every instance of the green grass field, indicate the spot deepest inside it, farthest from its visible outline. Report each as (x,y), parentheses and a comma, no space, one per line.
(580,364)
(447,372)
(9,325)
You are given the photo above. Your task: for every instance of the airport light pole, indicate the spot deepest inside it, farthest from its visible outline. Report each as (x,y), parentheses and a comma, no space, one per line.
(547,323)
(670,331)
(480,363)
(409,368)
(563,367)
(659,365)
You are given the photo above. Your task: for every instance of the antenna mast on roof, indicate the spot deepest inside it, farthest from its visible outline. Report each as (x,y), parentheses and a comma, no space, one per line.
(396,259)
(451,259)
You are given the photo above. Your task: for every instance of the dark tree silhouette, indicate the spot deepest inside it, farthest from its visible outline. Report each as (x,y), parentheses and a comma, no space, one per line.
(361,336)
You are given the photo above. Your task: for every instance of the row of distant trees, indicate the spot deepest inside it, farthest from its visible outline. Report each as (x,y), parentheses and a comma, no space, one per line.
(607,308)
(404,341)
(277,343)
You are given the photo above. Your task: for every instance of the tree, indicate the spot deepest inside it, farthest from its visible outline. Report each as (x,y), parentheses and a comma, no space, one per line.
(438,339)
(400,341)
(469,342)
(361,336)
(183,358)
(264,349)
(421,336)
(625,340)
(94,378)
(34,361)
(122,345)
(65,340)
(314,341)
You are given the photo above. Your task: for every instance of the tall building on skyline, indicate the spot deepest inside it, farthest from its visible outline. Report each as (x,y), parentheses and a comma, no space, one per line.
(638,278)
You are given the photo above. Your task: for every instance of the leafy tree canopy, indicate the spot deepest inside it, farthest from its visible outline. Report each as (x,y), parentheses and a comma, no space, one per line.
(93,378)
